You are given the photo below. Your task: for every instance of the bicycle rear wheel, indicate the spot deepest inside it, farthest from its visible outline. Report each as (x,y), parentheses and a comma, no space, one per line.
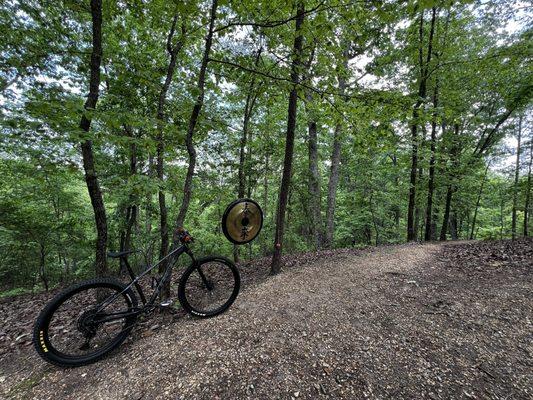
(85,322)
(209,287)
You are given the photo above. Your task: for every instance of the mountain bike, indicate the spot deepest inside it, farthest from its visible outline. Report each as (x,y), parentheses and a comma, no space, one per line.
(88,320)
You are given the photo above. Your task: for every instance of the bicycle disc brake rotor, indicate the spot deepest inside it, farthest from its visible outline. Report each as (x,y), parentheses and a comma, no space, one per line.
(242,221)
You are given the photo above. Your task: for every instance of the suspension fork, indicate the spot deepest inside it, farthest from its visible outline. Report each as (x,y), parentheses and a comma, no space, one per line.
(206,282)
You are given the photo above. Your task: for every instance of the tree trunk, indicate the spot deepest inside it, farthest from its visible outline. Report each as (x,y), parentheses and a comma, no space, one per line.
(516,176)
(266,209)
(396,207)
(42,271)
(446,218)
(454,153)
(422,89)
(335,159)
(528,190)
(314,186)
(453,226)
(478,201)
(313,207)
(418,211)
(289,143)
(131,211)
(332,187)
(193,120)
(89,168)
(431,181)
(243,159)
(148,212)
(502,205)
(173,50)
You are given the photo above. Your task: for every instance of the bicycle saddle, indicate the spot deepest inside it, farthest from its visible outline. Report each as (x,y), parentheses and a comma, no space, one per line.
(118,254)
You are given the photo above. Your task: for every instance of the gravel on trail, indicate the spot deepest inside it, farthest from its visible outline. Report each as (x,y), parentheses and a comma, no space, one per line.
(412,321)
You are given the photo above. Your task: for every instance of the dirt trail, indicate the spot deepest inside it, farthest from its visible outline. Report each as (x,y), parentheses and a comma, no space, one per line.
(393,322)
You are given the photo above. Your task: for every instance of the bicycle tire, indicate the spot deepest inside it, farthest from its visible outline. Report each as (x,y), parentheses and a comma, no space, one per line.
(41,339)
(186,277)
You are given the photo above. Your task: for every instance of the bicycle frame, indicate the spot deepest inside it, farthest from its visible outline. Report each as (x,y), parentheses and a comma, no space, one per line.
(172,257)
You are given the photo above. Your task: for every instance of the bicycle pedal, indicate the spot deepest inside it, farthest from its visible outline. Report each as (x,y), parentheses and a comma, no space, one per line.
(165,304)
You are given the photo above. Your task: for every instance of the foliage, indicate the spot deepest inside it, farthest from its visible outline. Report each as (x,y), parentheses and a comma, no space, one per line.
(480,67)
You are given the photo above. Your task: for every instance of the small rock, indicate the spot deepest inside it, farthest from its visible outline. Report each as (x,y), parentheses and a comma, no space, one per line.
(296,394)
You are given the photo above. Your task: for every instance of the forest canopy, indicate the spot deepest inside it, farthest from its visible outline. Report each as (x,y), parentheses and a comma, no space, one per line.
(352,123)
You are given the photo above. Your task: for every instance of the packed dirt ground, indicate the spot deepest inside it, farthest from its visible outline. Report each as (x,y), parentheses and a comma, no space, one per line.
(431,321)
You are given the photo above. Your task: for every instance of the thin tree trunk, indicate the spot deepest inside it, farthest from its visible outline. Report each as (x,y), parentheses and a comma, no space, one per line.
(502,204)
(516,176)
(42,271)
(243,159)
(313,207)
(89,168)
(193,120)
(478,201)
(148,212)
(289,143)
(418,211)
(396,208)
(266,208)
(431,181)
(332,187)
(454,153)
(172,50)
(374,220)
(314,186)
(335,158)
(131,212)
(453,226)
(446,217)
(422,89)
(528,190)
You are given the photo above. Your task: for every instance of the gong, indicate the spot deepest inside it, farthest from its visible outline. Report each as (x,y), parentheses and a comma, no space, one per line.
(242,221)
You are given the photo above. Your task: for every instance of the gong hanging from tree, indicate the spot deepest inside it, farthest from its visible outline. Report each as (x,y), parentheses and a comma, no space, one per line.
(242,221)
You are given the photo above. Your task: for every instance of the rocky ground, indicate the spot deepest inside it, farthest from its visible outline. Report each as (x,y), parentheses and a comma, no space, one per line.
(428,321)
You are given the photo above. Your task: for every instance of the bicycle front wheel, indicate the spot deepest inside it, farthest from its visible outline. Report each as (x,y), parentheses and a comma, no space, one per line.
(85,322)
(209,286)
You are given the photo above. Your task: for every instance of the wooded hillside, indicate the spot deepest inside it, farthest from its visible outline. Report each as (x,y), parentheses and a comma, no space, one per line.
(351,122)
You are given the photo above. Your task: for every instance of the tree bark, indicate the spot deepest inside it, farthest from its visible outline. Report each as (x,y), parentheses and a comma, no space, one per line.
(335,158)
(314,185)
(248,108)
(396,208)
(313,207)
(478,201)
(428,234)
(89,168)
(275,267)
(172,50)
(131,211)
(42,271)
(516,177)
(528,190)
(332,187)
(422,89)
(193,120)
(446,217)
(454,153)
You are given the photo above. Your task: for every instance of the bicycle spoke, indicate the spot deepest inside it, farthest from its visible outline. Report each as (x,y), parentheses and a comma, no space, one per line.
(210,286)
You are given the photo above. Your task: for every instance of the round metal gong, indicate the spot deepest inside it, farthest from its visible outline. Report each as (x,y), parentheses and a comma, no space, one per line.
(242,221)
